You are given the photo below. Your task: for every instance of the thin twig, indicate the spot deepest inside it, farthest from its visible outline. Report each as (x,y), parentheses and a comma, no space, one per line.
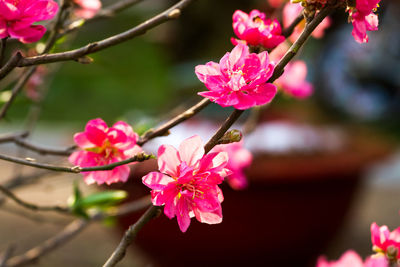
(169,14)
(163,129)
(289,30)
(16,90)
(131,207)
(71,230)
(293,50)
(31,206)
(44,150)
(9,137)
(30,71)
(222,130)
(130,235)
(3,44)
(106,12)
(34,217)
(76,169)
(6,255)
(10,65)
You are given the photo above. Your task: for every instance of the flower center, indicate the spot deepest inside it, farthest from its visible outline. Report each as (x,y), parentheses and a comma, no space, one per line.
(107,150)
(259,23)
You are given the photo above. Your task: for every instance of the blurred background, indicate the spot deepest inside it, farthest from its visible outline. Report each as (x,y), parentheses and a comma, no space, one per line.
(324,168)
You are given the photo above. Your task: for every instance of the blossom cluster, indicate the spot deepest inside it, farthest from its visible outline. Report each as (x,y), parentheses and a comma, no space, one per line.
(187,183)
(18,16)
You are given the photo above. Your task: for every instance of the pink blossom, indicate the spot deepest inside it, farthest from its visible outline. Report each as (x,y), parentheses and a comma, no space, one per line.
(17,17)
(187,184)
(102,145)
(239,80)
(256,30)
(385,241)
(275,3)
(352,259)
(32,87)
(87,8)
(363,19)
(293,81)
(239,159)
(291,11)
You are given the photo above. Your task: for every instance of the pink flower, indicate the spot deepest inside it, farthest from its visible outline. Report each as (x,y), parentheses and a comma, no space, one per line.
(187,184)
(32,87)
(256,30)
(275,3)
(291,11)
(364,19)
(293,81)
(239,80)
(352,259)
(87,8)
(239,159)
(102,145)
(17,17)
(385,241)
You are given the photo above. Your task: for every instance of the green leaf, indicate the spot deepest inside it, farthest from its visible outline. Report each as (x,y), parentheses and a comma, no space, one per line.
(102,199)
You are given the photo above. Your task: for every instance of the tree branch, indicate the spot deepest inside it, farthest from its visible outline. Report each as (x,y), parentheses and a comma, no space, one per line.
(293,50)
(71,230)
(163,129)
(130,235)
(289,30)
(75,169)
(18,57)
(169,14)
(222,130)
(31,206)
(3,44)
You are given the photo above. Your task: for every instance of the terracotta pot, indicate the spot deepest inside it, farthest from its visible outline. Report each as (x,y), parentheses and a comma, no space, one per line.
(293,207)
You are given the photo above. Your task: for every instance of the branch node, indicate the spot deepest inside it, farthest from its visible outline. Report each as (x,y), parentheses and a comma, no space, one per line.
(174,14)
(76,169)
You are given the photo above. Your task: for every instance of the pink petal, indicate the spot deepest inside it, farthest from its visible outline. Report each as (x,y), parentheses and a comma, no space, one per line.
(127,129)
(182,214)
(28,35)
(191,150)
(156,180)
(81,140)
(213,161)
(168,160)
(8,11)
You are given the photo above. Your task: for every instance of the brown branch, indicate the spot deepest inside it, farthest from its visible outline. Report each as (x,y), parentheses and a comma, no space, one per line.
(71,230)
(29,72)
(131,207)
(31,206)
(19,139)
(10,65)
(6,255)
(9,137)
(169,14)
(106,12)
(130,235)
(222,130)
(289,30)
(3,44)
(44,150)
(163,129)
(75,169)
(49,245)
(16,90)
(294,49)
